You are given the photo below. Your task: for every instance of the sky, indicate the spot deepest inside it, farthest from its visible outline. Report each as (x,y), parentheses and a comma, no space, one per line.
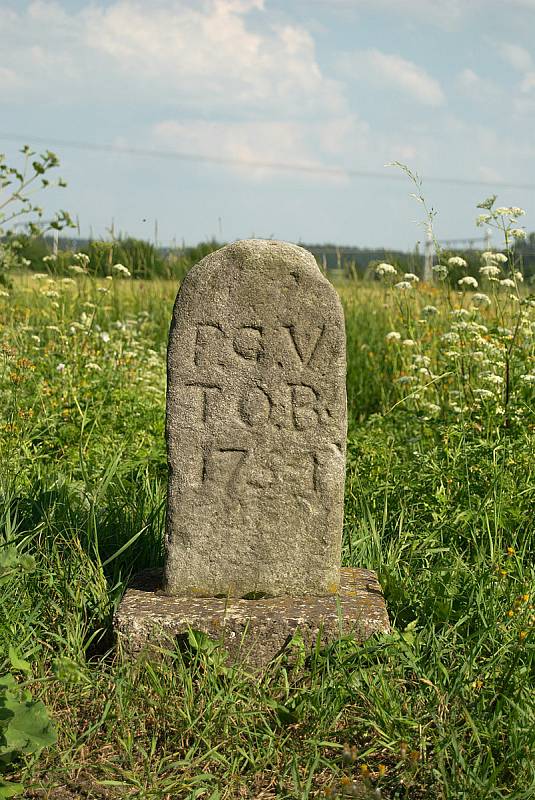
(274,118)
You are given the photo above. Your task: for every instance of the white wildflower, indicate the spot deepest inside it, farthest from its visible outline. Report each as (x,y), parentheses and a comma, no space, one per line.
(403,286)
(420,359)
(509,211)
(405,379)
(52,293)
(440,270)
(497,380)
(92,366)
(490,271)
(408,343)
(122,270)
(457,261)
(410,276)
(82,258)
(3,294)
(507,282)
(39,276)
(60,367)
(460,312)
(103,289)
(393,336)
(51,257)
(519,277)
(484,393)
(108,278)
(500,258)
(528,378)
(481,300)
(77,268)
(105,336)
(481,219)
(430,310)
(468,280)
(53,328)
(385,269)
(450,338)
(36,338)
(68,281)
(518,233)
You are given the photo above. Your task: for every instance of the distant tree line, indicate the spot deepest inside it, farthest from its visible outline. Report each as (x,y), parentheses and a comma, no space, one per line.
(144,260)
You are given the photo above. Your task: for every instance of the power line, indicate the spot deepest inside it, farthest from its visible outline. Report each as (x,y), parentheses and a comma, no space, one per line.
(253,163)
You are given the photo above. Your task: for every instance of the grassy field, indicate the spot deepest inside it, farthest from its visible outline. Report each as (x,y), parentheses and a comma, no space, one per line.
(440,500)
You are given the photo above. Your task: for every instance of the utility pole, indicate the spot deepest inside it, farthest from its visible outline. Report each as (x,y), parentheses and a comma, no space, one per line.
(428,258)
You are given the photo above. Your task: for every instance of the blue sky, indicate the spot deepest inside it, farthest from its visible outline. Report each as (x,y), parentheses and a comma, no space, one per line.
(445,87)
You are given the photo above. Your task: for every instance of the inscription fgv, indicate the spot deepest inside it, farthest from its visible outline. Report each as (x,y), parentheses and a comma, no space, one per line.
(219,344)
(256,425)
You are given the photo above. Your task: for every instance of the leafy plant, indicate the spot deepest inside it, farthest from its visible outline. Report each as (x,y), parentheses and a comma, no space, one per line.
(25,728)
(17,188)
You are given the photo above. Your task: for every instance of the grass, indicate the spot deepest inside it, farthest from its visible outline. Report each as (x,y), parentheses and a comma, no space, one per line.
(439,500)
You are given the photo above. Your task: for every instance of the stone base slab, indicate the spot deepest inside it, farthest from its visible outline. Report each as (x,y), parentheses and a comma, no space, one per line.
(252,631)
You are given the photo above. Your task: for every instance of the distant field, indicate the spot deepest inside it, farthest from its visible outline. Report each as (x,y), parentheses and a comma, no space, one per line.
(440,496)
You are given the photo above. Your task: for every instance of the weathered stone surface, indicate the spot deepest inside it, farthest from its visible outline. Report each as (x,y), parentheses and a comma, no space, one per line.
(256,427)
(252,631)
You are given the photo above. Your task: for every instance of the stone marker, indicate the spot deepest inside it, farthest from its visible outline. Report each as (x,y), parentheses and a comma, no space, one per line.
(256,431)
(256,426)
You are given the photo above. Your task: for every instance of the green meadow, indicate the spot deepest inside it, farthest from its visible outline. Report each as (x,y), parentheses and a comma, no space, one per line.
(440,501)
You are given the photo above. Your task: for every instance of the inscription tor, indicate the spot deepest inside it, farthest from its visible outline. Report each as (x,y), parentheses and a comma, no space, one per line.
(295,405)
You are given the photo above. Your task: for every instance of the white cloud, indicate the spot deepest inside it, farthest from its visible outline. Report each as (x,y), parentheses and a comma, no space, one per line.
(477,88)
(515,55)
(394,72)
(528,82)
(266,143)
(201,55)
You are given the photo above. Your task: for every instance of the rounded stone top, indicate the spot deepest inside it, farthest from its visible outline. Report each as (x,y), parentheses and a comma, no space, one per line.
(276,256)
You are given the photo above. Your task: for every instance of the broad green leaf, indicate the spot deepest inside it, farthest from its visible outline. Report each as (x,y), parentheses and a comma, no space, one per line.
(8,789)
(25,727)
(17,662)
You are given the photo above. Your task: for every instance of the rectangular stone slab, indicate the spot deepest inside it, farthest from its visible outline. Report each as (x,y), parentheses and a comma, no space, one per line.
(255,426)
(252,631)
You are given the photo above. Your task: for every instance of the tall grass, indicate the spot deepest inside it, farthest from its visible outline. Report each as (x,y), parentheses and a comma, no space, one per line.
(438,501)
